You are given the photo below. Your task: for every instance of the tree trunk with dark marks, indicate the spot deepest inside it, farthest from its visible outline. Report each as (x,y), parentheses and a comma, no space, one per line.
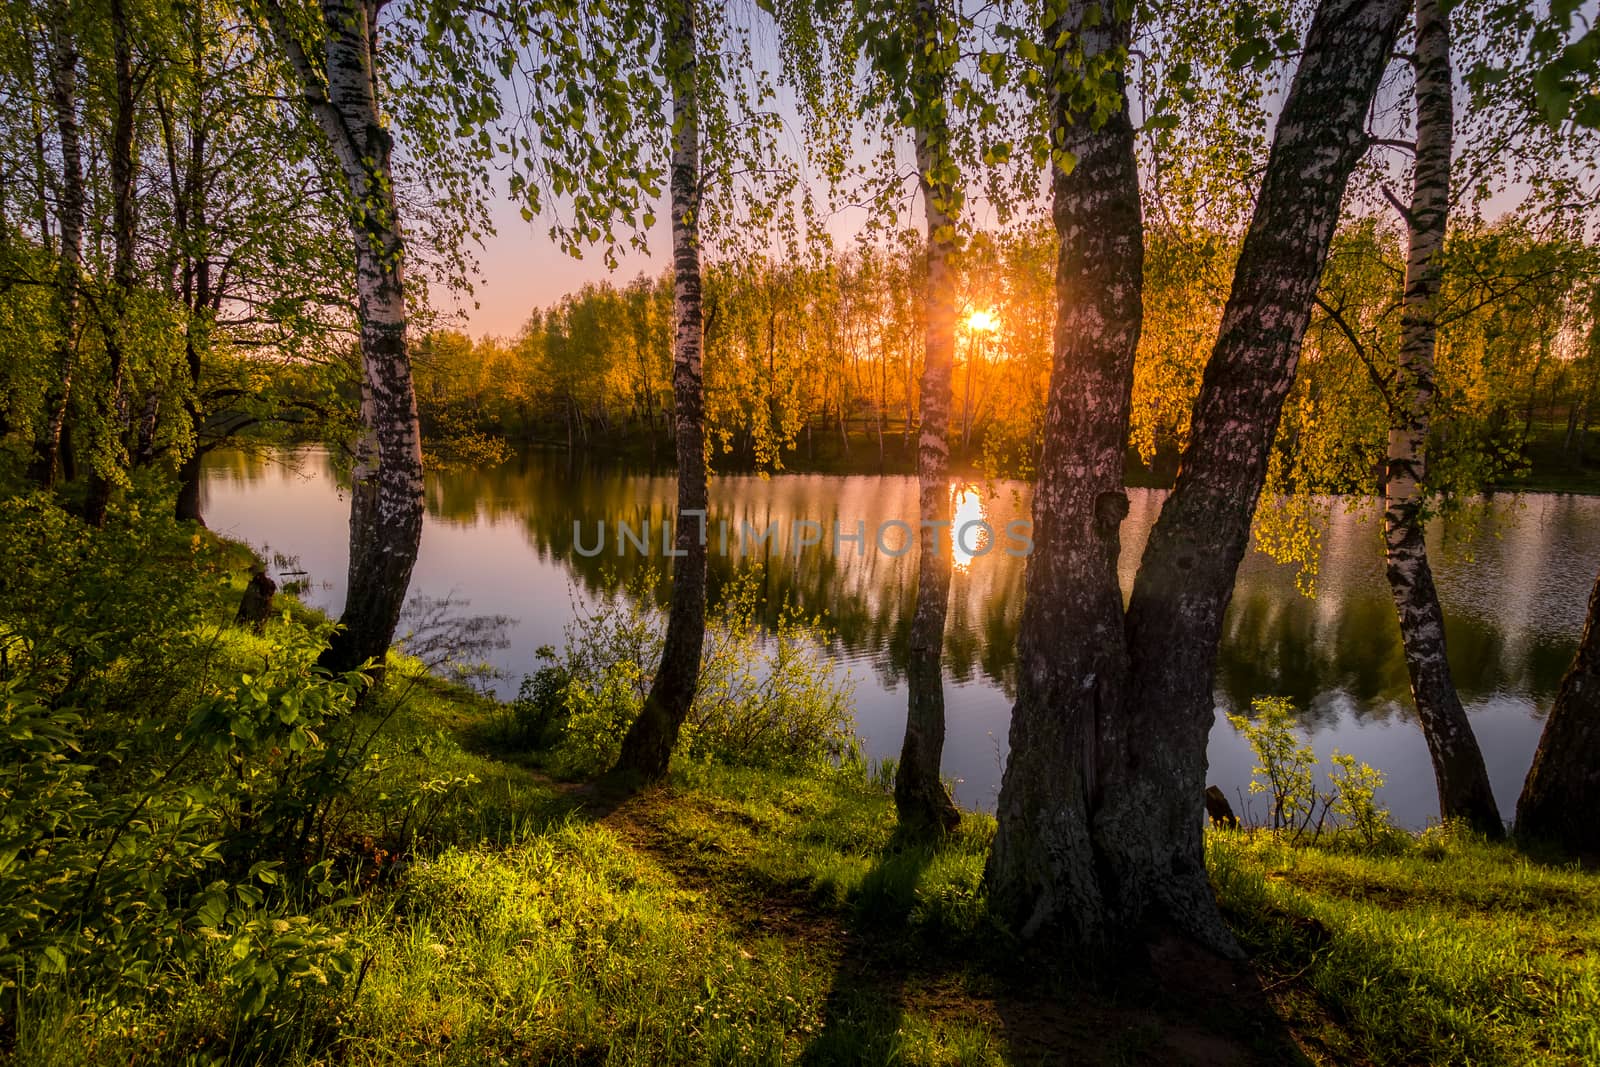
(1099,842)
(187,506)
(919,794)
(69,265)
(1152,828)
(1562,793)
(386,492)
(647,747)
(1072,663)
(191,211)
(1458,768)
(111,405)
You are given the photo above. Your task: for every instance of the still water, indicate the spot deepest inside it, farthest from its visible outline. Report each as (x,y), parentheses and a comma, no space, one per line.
(1513,575)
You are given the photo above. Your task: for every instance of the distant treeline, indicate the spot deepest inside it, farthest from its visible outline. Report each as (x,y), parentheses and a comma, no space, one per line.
(816,365)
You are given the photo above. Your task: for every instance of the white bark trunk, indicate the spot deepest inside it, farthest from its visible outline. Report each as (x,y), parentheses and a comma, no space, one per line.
(386,498)
(1463,781)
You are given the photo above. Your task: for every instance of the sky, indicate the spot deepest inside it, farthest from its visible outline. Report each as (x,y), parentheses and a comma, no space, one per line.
(520,268)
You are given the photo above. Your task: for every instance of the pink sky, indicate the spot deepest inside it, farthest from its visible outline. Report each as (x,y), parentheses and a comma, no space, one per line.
(520,269)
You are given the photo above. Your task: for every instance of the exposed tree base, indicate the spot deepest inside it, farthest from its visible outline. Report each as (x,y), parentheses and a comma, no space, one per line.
(647,748)
(924,808)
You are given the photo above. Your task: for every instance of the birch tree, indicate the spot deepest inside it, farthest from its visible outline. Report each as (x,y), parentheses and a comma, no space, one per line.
(1562,790)
(333,55)
(115,325)
(1099,815)
(1458,767)
(1409,340)
(60,36)
(611,98)
(914,51)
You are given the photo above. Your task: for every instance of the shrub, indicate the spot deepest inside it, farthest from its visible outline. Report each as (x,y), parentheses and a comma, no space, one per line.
(102,619)
(1355,806)
(766,697)
(130,890)
(538,715)
(150,802)
(1287,772)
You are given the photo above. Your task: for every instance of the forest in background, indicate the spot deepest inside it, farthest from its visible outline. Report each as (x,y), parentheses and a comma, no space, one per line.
(817,367)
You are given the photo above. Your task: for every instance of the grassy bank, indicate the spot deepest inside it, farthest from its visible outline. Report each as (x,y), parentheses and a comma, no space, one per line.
(492,913)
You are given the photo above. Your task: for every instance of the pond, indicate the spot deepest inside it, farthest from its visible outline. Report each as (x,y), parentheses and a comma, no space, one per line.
(521,540)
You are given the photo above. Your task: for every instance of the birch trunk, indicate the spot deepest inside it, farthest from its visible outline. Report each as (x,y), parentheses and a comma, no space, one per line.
(1072,661)
(1562,791)
(1152,827)
(919,796)
(386,490)
(1458,767)
(69,265)
(111,405)
(1099,838)
(197,295)
(647,747)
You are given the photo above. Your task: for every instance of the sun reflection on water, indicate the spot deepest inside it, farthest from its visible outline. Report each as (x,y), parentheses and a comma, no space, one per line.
(970,543)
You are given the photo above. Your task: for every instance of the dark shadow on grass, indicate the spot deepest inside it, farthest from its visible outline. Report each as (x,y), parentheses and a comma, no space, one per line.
(1173,1003)
(866,1000)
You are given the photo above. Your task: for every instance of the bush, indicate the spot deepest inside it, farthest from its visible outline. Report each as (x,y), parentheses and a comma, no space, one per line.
(152,801)
(130,890)
(766,697)
(102,619)
(1287,774)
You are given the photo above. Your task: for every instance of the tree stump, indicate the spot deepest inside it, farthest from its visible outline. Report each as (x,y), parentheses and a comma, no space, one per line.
(1219,809)
(255,607)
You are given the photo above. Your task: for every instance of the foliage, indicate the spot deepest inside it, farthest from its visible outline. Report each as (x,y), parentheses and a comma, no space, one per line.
(99,619)
(1513,308)
(766,698)
(1287,774)
(1286,767)
(1355,789)
(131,889)
(177,792)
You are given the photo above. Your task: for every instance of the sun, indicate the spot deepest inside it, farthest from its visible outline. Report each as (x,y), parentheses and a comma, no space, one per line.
(983,321)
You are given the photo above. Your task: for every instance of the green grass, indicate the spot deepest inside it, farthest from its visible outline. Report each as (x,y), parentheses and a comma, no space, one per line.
(740,916)
(1452,951)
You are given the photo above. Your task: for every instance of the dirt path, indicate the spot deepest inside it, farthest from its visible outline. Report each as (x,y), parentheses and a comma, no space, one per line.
(874,965)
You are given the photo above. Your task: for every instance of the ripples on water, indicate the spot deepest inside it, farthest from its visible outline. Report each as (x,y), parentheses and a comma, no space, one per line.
(1513,575)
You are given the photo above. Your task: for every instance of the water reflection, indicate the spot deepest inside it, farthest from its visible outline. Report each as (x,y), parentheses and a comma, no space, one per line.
(1513,576)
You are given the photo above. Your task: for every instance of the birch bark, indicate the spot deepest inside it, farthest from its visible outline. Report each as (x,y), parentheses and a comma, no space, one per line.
(1100,813)
(1072,657)
(920,797)
(386,490)
(111,405)
(69,220)
(647,746)
(1458,767)
(1562,791)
